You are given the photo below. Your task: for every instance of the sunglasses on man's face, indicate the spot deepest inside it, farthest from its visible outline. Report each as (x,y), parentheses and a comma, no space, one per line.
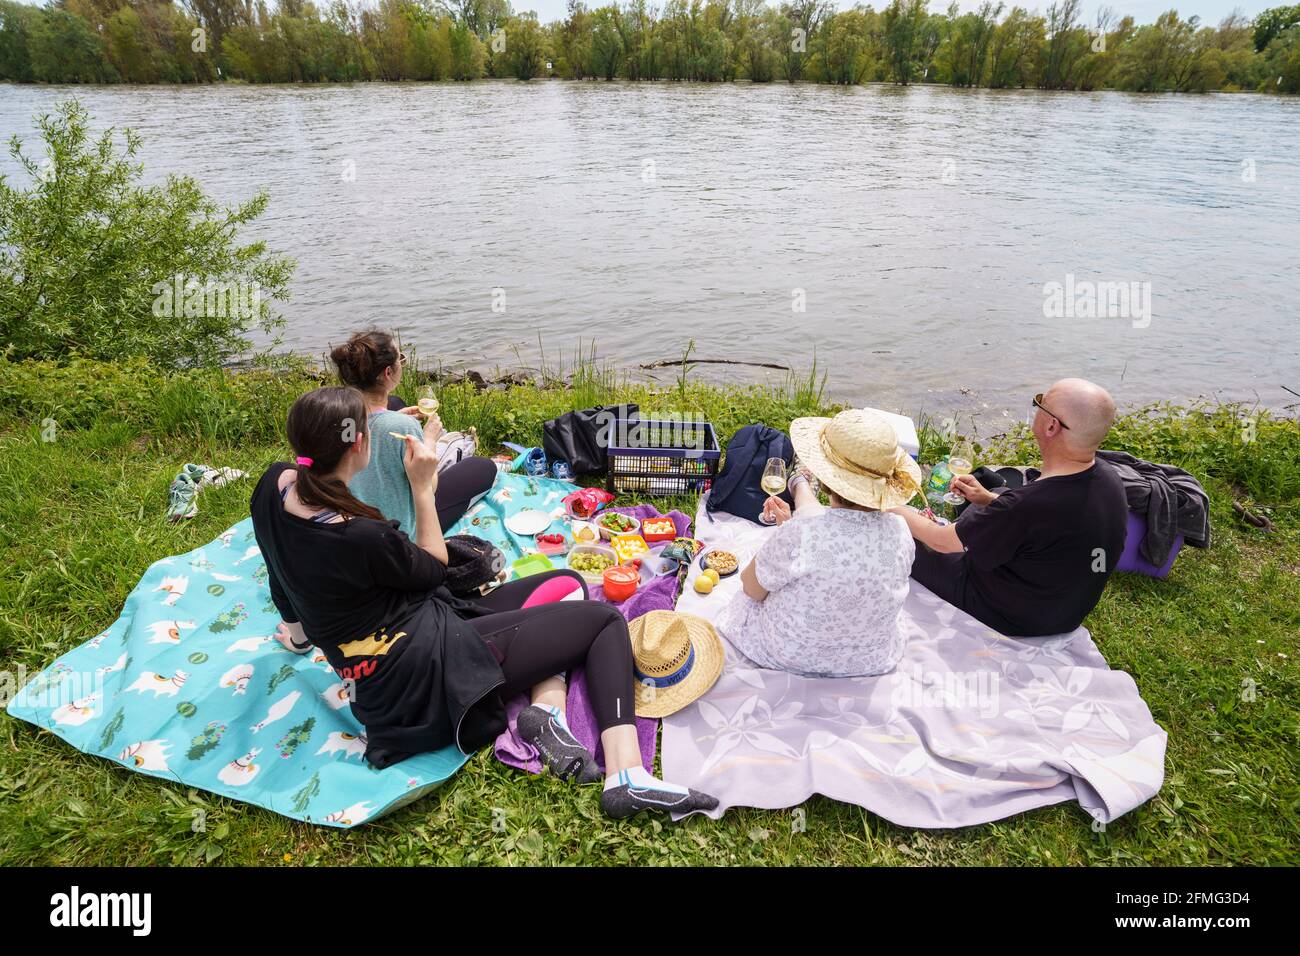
(1038,403)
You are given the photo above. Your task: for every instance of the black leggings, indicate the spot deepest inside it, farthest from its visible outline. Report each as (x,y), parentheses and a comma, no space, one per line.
(459,485)
(538,642)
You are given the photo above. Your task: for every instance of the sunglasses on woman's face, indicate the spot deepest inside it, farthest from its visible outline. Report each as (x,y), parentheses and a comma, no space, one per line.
(1038,403)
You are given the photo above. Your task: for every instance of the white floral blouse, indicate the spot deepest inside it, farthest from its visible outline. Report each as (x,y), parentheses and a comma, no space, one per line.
(836,584)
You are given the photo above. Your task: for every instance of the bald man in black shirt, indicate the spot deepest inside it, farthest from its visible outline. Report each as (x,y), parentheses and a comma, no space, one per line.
(1034,560)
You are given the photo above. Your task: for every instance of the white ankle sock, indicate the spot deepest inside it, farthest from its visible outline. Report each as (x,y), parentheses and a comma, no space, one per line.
(640,778)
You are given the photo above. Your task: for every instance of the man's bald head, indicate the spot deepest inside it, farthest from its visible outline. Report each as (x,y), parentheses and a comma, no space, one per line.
(1086,407)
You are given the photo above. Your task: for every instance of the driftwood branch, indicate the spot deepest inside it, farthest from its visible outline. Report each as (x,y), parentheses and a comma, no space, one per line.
(670,362)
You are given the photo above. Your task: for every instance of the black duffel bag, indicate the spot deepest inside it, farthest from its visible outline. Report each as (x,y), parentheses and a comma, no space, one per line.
(583,438)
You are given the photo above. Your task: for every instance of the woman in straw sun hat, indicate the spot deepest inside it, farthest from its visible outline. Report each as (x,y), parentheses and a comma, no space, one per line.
(823,596)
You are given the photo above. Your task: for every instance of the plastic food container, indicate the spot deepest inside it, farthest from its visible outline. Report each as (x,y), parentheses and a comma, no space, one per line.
(552,547)
(584,532)
(620,582)
(531,564)
(629,546)
(592,577)
(658,529)
(609,533)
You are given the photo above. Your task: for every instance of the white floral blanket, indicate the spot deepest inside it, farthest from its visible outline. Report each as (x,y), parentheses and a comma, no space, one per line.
(971,727)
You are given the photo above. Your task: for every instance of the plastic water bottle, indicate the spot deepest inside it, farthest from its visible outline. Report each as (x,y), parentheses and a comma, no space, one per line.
(940,479)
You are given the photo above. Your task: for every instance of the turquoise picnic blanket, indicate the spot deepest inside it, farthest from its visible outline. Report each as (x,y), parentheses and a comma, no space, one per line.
(190,685)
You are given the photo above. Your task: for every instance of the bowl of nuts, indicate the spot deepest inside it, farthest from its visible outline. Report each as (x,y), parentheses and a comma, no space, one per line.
(724,562)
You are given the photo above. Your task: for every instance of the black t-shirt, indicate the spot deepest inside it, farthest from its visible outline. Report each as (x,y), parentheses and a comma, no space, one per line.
(1037,557)
(372,601)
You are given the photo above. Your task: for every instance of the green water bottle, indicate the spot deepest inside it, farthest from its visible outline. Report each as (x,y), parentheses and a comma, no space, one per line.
(940,479)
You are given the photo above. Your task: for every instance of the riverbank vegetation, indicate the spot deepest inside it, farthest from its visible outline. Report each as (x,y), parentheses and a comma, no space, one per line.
(996,46)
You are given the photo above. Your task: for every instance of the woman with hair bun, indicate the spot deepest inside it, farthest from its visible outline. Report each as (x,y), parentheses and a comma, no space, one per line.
(425,668)
(372,363)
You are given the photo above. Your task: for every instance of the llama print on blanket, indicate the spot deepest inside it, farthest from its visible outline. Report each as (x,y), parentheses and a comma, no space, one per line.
(227,536)
(336,696)
(160,686)
(352,745)
(248,644)
(77,712)
(175,588)
(168,632)
(238,678)
(117,665)
(147,755)
(278,710)
(253,551)
(357,813)
(241,770)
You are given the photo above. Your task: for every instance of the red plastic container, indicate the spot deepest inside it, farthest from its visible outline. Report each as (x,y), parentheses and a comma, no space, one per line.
(667,534)
(620,582)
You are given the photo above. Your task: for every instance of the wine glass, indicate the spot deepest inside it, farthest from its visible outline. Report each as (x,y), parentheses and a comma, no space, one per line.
(961,461)
(428,402)
(773,482)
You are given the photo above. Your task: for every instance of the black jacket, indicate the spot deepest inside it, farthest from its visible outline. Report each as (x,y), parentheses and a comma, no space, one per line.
(1171,500)
(374,603)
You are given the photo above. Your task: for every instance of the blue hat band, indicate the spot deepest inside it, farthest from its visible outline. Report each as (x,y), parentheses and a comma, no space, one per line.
(676,677)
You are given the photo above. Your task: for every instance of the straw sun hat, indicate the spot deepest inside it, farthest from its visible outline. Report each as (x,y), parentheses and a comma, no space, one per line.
(856,454)
(676,658)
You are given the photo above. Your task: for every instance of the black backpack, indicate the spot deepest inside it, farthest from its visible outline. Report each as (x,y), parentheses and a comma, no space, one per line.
(737,489)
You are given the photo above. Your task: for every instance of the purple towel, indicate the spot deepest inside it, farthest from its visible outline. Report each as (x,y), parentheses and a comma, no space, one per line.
(659,594)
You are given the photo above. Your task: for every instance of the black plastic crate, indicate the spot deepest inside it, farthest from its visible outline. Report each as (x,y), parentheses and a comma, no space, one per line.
(658,459)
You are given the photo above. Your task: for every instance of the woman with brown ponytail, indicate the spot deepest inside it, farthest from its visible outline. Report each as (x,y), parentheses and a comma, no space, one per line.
(371,363)
(427,669)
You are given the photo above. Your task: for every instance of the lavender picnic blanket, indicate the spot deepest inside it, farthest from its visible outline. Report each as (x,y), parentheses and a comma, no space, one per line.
(657,595)
(971,727)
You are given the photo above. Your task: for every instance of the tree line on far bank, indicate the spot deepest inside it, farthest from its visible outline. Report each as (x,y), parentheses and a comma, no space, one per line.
(200,41)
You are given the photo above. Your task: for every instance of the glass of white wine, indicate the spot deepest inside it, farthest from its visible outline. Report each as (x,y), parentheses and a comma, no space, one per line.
(961,461)
(428,403)
(773,482)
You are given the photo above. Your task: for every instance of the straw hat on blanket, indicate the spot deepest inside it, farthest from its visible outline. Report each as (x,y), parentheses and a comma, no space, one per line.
(857,455)
(676,658)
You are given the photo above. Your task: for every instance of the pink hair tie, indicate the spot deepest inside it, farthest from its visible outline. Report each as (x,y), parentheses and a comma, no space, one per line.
(305,461)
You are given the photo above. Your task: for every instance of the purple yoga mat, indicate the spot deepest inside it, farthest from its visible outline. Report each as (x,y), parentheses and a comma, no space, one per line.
(659,594)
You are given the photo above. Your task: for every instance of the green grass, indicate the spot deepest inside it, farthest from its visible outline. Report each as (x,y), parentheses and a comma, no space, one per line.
(81,517)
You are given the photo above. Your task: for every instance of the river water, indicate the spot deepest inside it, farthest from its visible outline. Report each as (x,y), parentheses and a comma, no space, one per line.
(908,237)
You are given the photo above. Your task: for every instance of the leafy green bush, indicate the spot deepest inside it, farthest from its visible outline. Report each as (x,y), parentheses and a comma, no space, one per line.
(94,264)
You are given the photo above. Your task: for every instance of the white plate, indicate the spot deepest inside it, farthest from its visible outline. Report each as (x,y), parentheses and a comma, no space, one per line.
(528,523)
